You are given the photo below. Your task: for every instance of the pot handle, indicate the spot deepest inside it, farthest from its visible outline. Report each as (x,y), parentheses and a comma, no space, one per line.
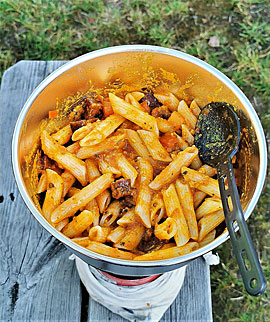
(242,244)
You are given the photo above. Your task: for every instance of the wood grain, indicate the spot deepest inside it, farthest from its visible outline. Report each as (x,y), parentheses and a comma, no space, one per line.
(37,280)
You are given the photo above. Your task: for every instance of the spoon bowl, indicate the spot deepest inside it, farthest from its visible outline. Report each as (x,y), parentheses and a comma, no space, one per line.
(217,133)
(217,136)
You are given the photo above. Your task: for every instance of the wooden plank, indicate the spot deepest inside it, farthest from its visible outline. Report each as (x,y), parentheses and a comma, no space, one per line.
(37,281)
(97,312)
(193,303)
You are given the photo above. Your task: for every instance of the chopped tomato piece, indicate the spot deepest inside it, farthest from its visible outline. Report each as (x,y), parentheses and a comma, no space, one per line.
(107,108)
(169,140)
(53,114)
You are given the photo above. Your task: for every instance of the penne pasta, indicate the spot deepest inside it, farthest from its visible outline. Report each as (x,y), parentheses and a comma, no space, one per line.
(208,238)
(68,181)
(166,230)
(102,130)
(63,135)
(157,209)
(146,171)
(168,252)
(168,245)
(176,121)
(209,222)
(92,170)
(129,218)
(116,235)
(196,163)
(195,108)
(137,95)
(126,168)
(169,100)
(103,200)
(131,100)
(182,235)
(109,251)
(99,234)
(83,241)
(73,148)
(107,145)
(181,142)
(186,201)
(186,113)
(105,167)
(93,207)
(61,224)
(164,126)
(137,144)
(207,170)
(199,195)
(131,113)
(187,136)
(174,210)
(64,158)
(53,194)
(208,206)
(78,224)
(201,181)
(132,238)
(153,145)
(171,172)
(142,209)
(111,214)
(72,191)
(81,132)
(80,199)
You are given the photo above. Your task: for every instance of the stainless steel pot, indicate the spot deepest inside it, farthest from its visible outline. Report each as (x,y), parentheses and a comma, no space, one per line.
(129,63)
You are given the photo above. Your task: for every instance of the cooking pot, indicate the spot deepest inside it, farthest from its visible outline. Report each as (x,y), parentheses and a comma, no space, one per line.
(130,64)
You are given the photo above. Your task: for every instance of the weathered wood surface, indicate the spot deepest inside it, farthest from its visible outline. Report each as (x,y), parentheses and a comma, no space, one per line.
(37,280)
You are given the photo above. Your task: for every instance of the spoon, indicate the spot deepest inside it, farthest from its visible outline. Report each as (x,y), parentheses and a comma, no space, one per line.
(217,136)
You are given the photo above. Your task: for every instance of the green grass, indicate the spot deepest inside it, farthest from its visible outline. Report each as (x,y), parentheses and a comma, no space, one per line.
(51,30)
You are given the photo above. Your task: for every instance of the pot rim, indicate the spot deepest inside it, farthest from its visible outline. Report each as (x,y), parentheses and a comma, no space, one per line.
(137,48)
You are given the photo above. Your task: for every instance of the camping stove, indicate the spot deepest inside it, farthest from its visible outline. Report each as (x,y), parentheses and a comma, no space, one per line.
(133,298)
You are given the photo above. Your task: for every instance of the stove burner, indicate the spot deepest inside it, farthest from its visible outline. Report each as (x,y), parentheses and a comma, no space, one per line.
(129,280)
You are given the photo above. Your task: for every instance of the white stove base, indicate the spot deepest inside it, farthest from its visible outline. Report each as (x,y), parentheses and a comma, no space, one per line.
(147,302)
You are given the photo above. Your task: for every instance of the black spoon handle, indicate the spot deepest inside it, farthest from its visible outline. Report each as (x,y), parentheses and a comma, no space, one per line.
(242,244)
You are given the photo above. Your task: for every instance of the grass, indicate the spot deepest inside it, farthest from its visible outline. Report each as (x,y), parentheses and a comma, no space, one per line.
(55,30)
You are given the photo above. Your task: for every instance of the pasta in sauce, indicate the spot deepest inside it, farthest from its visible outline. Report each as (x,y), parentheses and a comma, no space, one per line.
(123,178)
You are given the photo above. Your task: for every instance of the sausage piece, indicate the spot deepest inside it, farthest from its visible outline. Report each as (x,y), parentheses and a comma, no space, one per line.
(151,100)
(93,111)
(44,162)
(122,188)
(86,108)
(149,242)
(162,112)
(77,124)
(128,201)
